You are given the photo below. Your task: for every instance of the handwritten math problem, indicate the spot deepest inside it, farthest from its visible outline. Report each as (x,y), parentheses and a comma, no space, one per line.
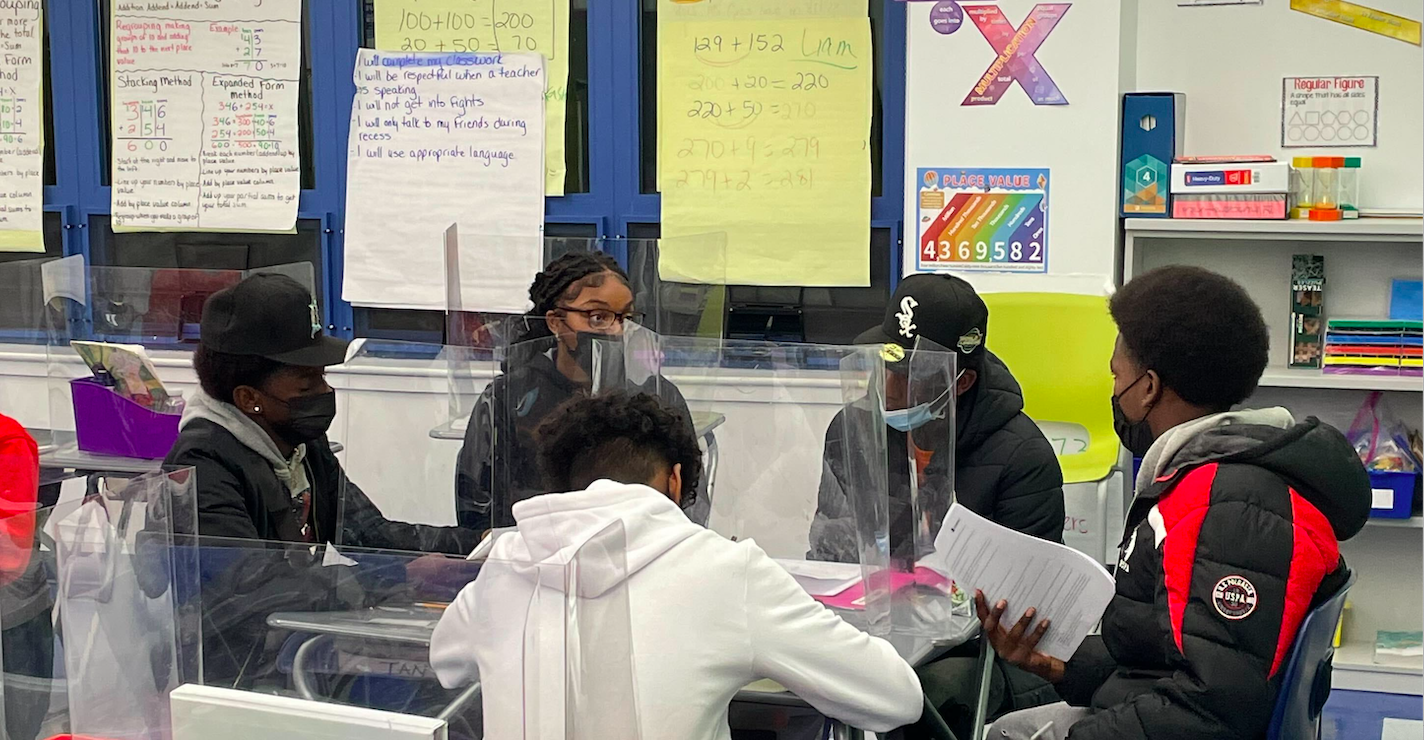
(765,129)
(485,26)
(457,138)
(21,132)
(204,115)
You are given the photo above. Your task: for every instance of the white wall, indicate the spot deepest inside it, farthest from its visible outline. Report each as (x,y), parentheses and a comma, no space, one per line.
(1090,56)
(1230,60)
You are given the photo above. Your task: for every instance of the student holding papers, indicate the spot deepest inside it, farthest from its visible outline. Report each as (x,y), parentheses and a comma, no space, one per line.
(578,298)
(709,616)
(1232,539)
(1003,467)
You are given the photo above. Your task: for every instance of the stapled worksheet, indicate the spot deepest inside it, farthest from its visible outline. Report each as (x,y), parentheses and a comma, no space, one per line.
(1064,585)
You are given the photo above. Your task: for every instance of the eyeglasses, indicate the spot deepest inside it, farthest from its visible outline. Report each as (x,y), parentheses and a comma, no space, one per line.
(600,319)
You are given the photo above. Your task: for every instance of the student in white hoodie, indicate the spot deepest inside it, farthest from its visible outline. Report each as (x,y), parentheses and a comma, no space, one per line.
(708,616)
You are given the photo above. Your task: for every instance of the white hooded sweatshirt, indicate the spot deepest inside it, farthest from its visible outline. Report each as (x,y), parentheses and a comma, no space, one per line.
(708,617)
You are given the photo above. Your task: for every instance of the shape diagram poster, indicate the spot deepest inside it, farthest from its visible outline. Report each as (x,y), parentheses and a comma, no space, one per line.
(1329,111)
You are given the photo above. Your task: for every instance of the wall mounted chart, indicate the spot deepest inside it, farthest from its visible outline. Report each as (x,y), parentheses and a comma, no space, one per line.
(983,219)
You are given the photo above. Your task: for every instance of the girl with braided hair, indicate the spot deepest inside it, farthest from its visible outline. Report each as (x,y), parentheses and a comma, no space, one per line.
(577,299)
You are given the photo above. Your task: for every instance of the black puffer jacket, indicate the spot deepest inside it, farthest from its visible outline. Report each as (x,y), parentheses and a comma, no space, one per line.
(1224,554)
(240,497)
(1004,469)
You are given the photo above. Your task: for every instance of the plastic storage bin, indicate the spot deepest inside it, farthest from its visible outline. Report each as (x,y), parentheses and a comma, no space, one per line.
(1302,186)
(1326,191)
(1350,188)
(1393,494)
(106,423)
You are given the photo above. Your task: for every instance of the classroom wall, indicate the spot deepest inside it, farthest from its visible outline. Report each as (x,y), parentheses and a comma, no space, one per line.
(1090,55)
(1230,61)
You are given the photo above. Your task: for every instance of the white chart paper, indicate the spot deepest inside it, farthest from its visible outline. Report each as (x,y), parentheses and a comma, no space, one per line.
(1329,111)
(441,139)
(205,114)
(1062,584)
(21,132)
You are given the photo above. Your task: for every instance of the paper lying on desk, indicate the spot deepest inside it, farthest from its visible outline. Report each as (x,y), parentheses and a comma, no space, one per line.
(1064,585)
(822,578)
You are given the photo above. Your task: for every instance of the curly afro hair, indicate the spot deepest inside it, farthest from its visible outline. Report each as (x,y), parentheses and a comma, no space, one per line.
(221,373)
(1199,330)
(563,279)
(621,437)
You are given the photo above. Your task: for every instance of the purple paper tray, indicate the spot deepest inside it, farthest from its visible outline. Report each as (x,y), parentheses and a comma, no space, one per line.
(106,423)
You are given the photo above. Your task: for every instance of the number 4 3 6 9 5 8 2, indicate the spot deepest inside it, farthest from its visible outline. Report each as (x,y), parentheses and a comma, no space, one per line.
(965,251)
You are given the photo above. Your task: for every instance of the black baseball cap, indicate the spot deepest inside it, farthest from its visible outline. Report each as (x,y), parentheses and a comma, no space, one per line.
(941,308)
(272,316)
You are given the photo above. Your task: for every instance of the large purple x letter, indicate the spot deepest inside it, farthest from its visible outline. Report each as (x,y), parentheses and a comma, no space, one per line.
(1016,48)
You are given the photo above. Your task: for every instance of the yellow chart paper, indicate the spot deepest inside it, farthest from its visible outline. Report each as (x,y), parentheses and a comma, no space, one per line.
(765,137)
(677,11)
(492,25)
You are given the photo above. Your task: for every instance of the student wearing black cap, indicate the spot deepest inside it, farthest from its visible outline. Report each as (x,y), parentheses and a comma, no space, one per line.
(256,431)
(1004,468)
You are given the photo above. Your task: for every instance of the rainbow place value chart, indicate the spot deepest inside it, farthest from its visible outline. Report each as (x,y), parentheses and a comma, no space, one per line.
(983,219)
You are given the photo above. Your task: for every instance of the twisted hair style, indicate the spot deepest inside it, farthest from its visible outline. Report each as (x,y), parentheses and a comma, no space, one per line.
(562,280)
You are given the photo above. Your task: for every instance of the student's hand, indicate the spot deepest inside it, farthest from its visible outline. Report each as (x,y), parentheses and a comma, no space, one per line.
(1017,645)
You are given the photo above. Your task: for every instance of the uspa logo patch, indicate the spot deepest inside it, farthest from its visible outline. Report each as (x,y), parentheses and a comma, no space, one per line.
(1234,597)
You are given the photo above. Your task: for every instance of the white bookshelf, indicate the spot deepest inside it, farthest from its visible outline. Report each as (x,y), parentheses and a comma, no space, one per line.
(1355,669)
(1414,522)
(1361,257)
(1391,230)
(1285,377)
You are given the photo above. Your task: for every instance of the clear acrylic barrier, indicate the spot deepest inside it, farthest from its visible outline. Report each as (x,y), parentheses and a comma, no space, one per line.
(130,413)
(808,466)
(22,304)
(397,486)
(543,651)
(478,342)
(682,305)
(103,568)
(924,597)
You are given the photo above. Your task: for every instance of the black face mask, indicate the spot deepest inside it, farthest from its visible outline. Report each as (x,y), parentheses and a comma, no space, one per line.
(308,417)
(582,350)
(1136,436)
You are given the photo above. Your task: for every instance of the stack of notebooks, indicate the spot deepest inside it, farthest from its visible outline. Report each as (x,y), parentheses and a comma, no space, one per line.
(1374,347)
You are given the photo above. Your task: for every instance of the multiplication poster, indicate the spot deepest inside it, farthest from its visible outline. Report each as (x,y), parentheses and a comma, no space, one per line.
(983,219)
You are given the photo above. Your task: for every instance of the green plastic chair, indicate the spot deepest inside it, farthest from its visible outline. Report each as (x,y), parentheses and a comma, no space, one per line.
(1058,345)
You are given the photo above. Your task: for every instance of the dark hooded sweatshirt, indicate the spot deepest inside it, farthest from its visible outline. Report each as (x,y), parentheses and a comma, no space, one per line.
(1004,469)
(1232,538)
(498,464)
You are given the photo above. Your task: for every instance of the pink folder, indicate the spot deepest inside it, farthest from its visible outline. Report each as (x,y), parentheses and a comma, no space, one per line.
(853,598)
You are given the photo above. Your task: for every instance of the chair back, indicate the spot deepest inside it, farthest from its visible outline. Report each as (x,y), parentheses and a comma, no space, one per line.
(1306,684)
(1063,382)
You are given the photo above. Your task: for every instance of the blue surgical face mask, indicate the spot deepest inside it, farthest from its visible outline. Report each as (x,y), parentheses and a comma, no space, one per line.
(905,420)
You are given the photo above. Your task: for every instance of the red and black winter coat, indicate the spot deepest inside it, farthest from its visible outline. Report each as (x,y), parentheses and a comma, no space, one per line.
(1222,557)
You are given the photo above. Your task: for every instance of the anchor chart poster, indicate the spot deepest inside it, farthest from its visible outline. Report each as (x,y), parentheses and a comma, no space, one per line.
(983,219)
